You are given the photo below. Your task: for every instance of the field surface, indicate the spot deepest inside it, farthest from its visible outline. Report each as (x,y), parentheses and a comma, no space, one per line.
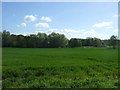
(60,68)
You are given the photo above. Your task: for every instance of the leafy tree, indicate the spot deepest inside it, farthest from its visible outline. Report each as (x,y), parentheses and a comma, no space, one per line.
(57,40)
(13,40)
(75,42)
(5,38)
(42,40)
(0,39)
(113,41)
(96,42)
(33,40)
(89,41)
(63,41)
(53,40)
(21,41)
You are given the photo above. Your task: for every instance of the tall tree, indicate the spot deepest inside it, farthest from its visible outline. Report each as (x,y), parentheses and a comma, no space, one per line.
(89,41)
(5,38)
(96,42)
(13,40)
(33,40)
(42,40)
(53,40)
(57,40)
(0,39)
(21,41)
(75,42)
(113,41)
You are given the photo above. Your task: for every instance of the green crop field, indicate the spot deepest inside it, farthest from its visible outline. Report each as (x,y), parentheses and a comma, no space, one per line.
(60,68)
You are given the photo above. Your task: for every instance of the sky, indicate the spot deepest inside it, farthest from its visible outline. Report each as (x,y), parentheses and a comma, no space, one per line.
(73,19)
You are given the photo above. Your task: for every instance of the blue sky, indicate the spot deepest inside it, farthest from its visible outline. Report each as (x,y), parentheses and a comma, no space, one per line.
(75,20)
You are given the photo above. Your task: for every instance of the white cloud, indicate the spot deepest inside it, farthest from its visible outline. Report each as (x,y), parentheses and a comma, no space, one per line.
(71,33)
(30,18)
(69,30)
(42,25)
(47,19)
(62,30)
(37,31)
(22,25)
(93,33)
(117,15)
(110,27)
(102,24)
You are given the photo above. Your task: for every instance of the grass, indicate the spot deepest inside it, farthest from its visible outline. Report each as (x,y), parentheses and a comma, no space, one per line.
(60,68)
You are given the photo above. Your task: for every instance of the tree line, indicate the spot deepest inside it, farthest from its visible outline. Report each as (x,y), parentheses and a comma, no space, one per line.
(53,40)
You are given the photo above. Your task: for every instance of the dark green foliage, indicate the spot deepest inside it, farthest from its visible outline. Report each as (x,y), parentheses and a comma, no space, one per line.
(0,39)
(41,40)
(75,42)
(53,40)
(5,38)
(89,41)
(57,40)
(95,42)
(113,41)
